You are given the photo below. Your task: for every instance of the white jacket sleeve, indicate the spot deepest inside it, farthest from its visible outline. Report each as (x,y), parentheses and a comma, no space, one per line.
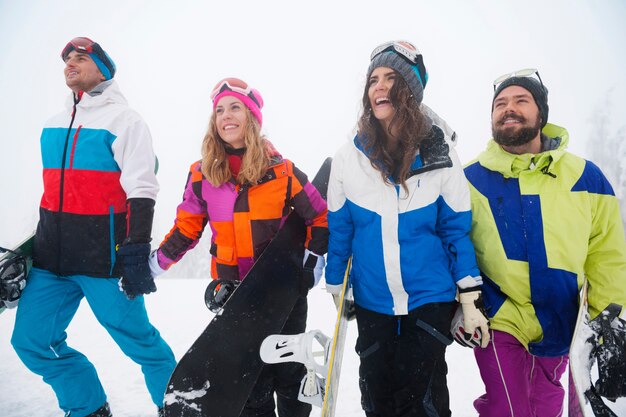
(135,156)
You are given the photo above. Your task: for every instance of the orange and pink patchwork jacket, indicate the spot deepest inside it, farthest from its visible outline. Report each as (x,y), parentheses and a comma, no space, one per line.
(244,217)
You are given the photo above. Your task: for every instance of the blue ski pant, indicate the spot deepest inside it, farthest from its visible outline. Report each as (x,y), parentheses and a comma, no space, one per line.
(47,307)
(518,384)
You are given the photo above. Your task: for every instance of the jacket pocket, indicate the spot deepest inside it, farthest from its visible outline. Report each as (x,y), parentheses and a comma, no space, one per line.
(222,253)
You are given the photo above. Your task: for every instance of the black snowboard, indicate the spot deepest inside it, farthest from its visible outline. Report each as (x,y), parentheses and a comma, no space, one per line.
(216,375)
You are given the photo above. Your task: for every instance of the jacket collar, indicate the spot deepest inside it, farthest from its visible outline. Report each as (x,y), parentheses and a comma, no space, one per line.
(510,165)
(433,152)
(107,92)
(276,159)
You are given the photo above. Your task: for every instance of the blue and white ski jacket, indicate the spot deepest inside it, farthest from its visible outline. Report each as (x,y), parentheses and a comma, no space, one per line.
(408,249)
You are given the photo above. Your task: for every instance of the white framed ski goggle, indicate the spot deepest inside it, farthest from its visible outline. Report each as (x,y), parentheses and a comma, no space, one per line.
(527,72)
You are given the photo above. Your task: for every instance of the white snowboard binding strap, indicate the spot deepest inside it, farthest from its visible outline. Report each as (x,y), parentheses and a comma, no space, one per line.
(312,389)
(279,348)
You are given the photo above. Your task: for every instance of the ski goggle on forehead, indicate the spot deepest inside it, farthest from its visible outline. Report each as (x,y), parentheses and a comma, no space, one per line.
(82,45)
(405,49)
(235,85)
(527,72)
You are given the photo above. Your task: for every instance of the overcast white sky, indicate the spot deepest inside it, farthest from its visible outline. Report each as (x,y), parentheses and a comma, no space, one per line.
(309,62)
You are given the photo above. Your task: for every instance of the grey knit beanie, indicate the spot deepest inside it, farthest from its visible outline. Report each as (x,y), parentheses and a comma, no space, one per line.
(536,89)
(414,75)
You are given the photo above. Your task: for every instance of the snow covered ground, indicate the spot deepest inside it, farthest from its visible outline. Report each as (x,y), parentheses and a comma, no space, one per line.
(177,310)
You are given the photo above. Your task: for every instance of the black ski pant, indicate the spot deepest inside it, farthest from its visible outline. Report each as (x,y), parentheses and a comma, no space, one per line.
(283,378)
(403,368)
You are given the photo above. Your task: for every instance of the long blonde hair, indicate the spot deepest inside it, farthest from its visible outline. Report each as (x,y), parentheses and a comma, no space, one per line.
(256,158)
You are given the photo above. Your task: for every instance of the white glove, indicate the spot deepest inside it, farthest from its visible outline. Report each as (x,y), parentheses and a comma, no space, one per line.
(335,291)
(155,268)
(457,328)
(314,270)
(337,300)
(474,317)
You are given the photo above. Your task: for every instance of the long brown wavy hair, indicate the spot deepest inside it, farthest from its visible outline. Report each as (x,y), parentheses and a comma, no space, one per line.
(255,162)
(411,125)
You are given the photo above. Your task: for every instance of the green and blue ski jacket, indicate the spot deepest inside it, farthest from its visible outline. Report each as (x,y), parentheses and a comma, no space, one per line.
(540,224)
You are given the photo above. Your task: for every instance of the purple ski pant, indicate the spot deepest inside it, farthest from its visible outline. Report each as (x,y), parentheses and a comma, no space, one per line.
(518,384)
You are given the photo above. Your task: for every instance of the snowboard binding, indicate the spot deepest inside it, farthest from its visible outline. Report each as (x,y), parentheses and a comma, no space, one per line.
(218,292)
(609,341)
(279,348)
(13,272)
(608,350)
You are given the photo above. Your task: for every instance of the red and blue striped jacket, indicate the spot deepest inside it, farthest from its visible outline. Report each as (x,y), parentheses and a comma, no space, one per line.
(96,154)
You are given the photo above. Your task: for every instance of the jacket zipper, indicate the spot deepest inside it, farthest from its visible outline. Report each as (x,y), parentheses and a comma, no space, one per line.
(61,182)
(74,146)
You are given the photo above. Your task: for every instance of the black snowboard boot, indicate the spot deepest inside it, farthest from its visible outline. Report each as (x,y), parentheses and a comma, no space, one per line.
(103,411)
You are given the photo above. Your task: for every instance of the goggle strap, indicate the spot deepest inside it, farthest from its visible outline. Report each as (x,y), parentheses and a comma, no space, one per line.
(421,69)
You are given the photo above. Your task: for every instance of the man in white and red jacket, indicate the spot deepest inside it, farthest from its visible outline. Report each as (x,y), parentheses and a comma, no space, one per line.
(93,238)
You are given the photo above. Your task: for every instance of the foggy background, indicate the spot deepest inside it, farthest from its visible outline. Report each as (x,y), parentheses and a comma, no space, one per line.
(308,60)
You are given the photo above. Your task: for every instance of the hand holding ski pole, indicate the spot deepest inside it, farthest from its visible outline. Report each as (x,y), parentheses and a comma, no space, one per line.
(136,277)
(475,317)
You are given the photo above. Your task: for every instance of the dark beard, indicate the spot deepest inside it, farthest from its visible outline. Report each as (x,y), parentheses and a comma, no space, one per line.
(513,136)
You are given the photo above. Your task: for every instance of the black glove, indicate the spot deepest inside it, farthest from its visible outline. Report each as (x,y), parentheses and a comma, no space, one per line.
(136,277)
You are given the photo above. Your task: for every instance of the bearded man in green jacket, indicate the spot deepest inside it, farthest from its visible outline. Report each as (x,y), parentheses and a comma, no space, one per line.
(543,220)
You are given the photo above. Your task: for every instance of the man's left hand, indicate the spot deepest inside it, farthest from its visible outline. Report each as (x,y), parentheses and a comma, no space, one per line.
(136,277)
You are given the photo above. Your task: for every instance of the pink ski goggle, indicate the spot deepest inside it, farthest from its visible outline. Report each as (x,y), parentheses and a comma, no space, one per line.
(237,86)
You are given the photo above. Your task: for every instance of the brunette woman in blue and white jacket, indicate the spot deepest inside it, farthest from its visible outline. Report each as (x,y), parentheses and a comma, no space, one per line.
(399,206)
